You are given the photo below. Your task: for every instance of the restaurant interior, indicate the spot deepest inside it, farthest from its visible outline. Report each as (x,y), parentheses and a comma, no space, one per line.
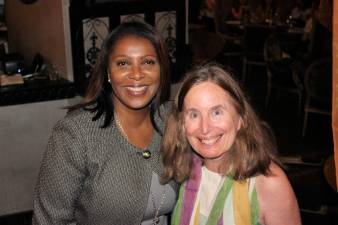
(279,50)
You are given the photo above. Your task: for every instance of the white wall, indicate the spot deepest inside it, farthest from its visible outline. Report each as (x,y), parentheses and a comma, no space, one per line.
(24,132)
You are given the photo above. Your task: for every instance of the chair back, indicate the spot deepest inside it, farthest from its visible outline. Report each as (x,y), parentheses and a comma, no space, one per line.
(272,49)
(278,68)
(254,38)
(318,81)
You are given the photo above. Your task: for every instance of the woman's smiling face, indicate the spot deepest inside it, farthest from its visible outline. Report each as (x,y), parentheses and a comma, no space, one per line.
(211,122)
(134,72)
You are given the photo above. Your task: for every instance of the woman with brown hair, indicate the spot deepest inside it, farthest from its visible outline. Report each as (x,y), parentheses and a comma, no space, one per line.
(224,155)
(102,163)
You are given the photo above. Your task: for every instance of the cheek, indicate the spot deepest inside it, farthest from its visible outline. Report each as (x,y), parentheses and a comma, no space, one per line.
(116,79)
(157,84)
(191,135)
(231,122)
(157,78)
(190,128)
(155,72)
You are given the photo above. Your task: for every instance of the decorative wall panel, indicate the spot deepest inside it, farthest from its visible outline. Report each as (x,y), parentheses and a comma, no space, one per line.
(94,32)
(165,22)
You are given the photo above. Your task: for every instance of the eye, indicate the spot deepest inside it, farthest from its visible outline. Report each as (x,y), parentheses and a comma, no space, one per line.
(217,112)
(192,114)
(149,62)
(122,63)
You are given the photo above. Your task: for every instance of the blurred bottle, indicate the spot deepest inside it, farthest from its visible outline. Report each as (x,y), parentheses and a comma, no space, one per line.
(52,72)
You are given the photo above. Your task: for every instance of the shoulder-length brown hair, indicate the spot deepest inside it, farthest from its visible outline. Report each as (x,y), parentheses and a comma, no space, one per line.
(254,146)
(99,89)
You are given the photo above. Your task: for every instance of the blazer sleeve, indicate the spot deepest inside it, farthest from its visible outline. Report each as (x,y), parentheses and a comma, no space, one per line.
(61,176)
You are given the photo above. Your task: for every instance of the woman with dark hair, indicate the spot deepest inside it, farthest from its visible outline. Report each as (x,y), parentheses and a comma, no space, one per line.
(224,155)
(102,163)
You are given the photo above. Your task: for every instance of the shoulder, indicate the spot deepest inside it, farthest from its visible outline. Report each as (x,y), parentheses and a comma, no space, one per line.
(162,114)
(166,107)
(275,179)
(78,118)
(276,198)
(78,124)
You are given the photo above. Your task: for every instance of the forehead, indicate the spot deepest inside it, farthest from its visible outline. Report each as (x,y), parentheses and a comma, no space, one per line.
(206,95)
(128,40)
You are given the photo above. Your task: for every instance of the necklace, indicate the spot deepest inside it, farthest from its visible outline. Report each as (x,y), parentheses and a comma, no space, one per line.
(145,153)
(156,218)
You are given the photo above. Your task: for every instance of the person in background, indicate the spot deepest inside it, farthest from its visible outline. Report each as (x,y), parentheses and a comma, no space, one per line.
(296,17)
(309,17)
(321,37)
(237,9)
(264,11)
(102,163)
(297,10)
(224,156)
(317,37)
(208,14)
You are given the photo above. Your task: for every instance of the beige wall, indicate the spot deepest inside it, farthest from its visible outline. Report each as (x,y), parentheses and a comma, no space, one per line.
(37,28)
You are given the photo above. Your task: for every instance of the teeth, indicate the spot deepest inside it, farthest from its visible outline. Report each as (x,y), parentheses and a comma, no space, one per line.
(136,89)
(209,141)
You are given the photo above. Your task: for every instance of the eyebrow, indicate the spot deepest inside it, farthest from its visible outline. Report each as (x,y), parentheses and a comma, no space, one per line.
(212,108)
(218,106)
(126,56)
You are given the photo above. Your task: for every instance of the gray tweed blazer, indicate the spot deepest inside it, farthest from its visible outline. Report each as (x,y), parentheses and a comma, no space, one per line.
(92,175)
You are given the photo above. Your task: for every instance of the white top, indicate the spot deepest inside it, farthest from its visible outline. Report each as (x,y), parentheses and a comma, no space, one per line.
(210,185)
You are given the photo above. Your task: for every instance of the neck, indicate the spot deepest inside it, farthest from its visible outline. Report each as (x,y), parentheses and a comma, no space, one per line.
(131,117)
(135,125)
(212,166)
(219,165)
(134,118)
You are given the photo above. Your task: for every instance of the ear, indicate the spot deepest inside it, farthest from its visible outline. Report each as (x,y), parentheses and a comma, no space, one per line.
(182,127)
(108,76)
(240,123)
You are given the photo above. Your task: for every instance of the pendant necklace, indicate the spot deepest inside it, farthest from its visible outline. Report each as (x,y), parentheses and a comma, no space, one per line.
(145,153)
(156,218)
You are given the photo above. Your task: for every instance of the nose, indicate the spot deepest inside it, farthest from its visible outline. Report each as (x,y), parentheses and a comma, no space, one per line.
(136,73)
(205,125)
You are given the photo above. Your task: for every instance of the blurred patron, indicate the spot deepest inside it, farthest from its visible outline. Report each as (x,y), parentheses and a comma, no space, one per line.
(208,14)
(238,9)
(263,11)
(320,33)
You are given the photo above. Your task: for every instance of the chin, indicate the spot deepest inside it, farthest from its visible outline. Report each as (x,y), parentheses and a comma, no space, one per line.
(138,106)
(138,103)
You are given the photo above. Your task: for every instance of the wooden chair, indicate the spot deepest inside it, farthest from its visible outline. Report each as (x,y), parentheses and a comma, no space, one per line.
(318,89)
(282,77)
(253,46)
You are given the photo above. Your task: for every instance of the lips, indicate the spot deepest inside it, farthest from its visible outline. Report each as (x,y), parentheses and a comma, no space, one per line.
(137,90)
(210,140)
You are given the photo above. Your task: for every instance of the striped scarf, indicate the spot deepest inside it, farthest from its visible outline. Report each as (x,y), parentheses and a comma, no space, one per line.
(244,213)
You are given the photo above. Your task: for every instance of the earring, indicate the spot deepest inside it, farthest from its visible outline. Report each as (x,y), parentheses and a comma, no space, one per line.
(108,77)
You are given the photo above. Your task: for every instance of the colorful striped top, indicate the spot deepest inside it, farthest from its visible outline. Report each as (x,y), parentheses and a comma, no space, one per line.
(207,198)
